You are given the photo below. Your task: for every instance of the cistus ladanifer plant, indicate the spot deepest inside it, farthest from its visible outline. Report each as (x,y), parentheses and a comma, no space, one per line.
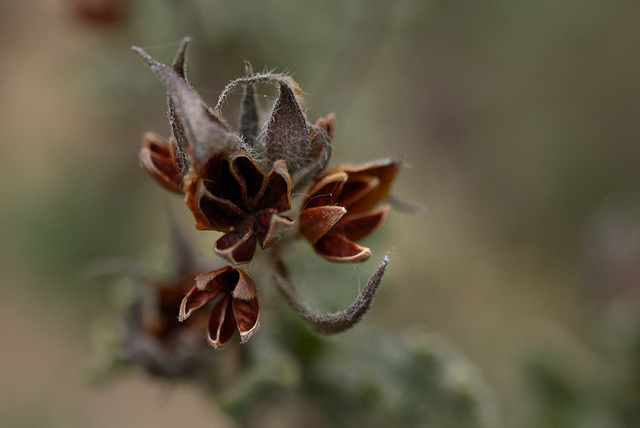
(262,186)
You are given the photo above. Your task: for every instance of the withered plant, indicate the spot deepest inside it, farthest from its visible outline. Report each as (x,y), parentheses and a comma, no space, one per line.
(241,183)
(265,186)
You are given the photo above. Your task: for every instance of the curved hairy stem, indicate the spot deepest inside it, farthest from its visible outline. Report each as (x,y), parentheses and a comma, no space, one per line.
(329,323)
(276,79)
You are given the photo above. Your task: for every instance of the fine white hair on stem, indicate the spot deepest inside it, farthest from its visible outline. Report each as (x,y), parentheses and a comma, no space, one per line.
(276,79)
(336,322)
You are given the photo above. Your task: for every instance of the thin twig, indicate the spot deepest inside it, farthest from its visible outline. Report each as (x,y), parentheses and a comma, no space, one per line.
(329,323)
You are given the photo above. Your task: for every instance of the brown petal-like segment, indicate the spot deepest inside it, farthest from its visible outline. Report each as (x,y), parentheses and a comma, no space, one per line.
(225,278)
(244,288)
(194,190)
(358,226)
(219,214)
(222,324)
(202,223)
(385,170)
(248,175)
(221,181)
(157,157)
(276,189)
(239,245)
(246,308)
(275,225)
(316,222)
(326,191)
(336,247)
(247,315)
(196,299)
(356,189)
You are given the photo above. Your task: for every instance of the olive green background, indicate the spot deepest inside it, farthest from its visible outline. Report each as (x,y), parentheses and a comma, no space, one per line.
(518,122)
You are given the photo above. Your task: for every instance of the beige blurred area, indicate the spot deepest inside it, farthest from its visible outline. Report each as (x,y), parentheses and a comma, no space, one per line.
(518,122)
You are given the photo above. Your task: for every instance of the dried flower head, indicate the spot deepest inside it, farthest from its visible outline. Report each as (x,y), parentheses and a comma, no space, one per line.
(154,339)
(338,211)
(234,196)
(235,304)
(242,183)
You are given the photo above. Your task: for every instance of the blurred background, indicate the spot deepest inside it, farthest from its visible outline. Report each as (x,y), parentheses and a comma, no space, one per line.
(519,124)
